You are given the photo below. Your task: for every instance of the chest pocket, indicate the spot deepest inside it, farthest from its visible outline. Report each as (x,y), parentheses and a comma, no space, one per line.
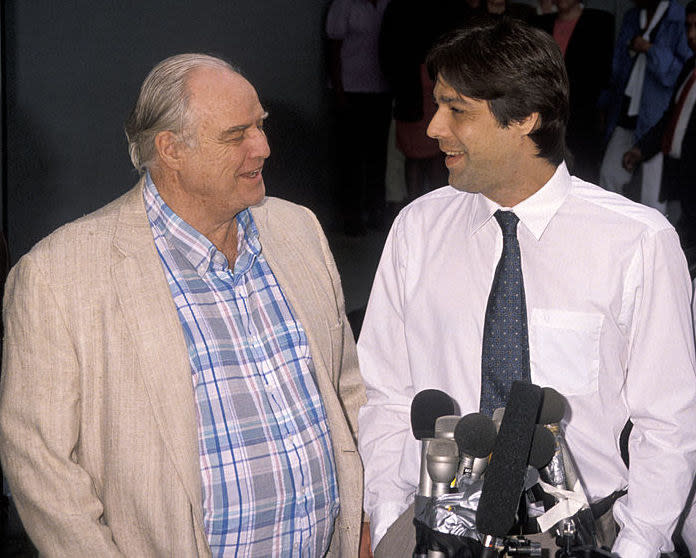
(564,350)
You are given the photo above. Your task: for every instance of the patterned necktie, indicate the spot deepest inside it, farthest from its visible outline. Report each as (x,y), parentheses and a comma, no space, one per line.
(505,354)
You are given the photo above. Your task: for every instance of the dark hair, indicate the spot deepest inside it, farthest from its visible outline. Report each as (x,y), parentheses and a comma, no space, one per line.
(519,70)
(691,7)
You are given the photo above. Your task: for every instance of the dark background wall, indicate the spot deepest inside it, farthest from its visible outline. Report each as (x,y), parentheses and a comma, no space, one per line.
(73,69)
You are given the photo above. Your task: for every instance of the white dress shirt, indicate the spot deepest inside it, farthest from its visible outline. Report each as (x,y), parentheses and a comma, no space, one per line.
(608,304)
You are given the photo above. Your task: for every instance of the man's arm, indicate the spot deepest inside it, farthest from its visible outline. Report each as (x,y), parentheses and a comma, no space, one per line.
(660,394)
(40,423)
(667,55)
(385,431)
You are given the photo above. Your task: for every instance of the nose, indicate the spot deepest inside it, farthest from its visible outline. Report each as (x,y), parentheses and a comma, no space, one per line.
(259,141)
(436,127)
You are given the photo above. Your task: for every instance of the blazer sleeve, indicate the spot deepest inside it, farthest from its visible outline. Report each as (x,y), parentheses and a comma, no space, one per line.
(351,389)
(39,422)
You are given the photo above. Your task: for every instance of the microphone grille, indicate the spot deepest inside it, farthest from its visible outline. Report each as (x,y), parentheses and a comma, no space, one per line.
(427,406)
(475,435)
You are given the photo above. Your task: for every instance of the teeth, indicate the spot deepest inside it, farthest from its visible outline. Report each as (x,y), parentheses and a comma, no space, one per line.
(453,153)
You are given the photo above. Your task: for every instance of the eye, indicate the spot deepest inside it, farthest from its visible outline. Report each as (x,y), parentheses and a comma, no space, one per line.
(236,136)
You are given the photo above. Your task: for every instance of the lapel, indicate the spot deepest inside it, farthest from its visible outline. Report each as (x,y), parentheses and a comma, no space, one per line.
(299,285)
(150,314)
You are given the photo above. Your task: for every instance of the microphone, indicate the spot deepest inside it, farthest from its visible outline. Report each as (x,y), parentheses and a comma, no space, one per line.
(445,425)
(442,459)
(560,471)
(475,435)
(543,447)
(427,406)
(552,407)
(504,480)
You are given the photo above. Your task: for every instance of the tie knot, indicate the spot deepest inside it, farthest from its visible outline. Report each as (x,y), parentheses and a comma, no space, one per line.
(507,221)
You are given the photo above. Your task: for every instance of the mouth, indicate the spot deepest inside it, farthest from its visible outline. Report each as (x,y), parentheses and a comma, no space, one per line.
(252,174)
(452,157)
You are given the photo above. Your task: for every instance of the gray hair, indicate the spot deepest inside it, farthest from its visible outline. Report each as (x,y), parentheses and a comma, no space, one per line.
(163,104)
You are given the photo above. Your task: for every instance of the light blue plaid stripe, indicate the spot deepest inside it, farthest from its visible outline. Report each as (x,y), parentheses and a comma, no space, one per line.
(269,482)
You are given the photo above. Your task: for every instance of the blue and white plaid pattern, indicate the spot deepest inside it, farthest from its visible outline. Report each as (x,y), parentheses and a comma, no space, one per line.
(269,482)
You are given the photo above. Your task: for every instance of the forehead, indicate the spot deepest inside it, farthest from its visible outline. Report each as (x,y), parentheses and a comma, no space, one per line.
(445,93)
(221,94)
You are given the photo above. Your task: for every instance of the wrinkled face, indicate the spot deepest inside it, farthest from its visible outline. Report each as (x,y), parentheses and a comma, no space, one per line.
(691,31)
(221,171)
(480,154)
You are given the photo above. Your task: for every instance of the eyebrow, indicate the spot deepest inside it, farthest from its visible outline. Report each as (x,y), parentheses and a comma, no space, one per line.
(445,99)
(241,127)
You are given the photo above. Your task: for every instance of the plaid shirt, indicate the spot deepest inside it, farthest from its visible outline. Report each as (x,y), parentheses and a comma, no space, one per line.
(267,468)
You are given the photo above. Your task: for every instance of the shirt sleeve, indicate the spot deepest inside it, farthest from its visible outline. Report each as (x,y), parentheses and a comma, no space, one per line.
(337,19)
(384,422)
(660,393)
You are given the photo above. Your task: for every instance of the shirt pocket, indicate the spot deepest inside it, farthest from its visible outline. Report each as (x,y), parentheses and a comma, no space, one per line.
(564,350)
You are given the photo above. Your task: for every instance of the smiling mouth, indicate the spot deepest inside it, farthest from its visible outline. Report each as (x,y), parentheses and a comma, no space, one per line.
(254,173)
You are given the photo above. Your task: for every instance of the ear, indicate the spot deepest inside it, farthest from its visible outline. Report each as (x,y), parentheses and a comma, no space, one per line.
(170,149)
(530,123)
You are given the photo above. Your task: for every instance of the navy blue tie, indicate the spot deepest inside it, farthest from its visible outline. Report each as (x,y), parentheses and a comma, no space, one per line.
(505,354)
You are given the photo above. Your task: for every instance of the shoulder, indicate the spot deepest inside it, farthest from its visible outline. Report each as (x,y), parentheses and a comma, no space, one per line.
(84,240)
(283,221)
(433,202)
(278,209)
(675,12)
(615,209)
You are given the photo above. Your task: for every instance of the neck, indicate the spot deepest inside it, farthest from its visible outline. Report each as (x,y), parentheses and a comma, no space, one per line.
(220,230)
(528,181)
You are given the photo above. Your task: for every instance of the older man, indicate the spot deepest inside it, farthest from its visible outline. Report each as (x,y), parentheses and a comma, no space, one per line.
(180,378)
(520,271)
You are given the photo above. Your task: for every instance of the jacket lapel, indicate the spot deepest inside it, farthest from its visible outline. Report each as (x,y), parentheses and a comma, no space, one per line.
(150,314)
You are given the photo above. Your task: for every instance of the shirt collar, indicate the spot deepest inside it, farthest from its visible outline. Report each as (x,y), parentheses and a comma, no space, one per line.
(536,211)
(194,246)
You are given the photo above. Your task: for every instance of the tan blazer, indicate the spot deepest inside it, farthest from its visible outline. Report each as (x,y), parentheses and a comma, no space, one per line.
(98,434)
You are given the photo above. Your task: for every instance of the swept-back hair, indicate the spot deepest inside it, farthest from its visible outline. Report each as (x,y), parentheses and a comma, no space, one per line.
(163,104)
(517,69)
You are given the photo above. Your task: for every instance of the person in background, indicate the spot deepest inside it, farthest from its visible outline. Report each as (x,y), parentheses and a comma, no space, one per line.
(409,29)
(586,39)
(650,52)
(675,136)
(179,377)
(520,271)
(363,102)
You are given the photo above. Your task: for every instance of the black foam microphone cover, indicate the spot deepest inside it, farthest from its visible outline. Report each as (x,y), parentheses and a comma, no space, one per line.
(427,406)
(475,435)
(505,476)
(543,447)
(553,406)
